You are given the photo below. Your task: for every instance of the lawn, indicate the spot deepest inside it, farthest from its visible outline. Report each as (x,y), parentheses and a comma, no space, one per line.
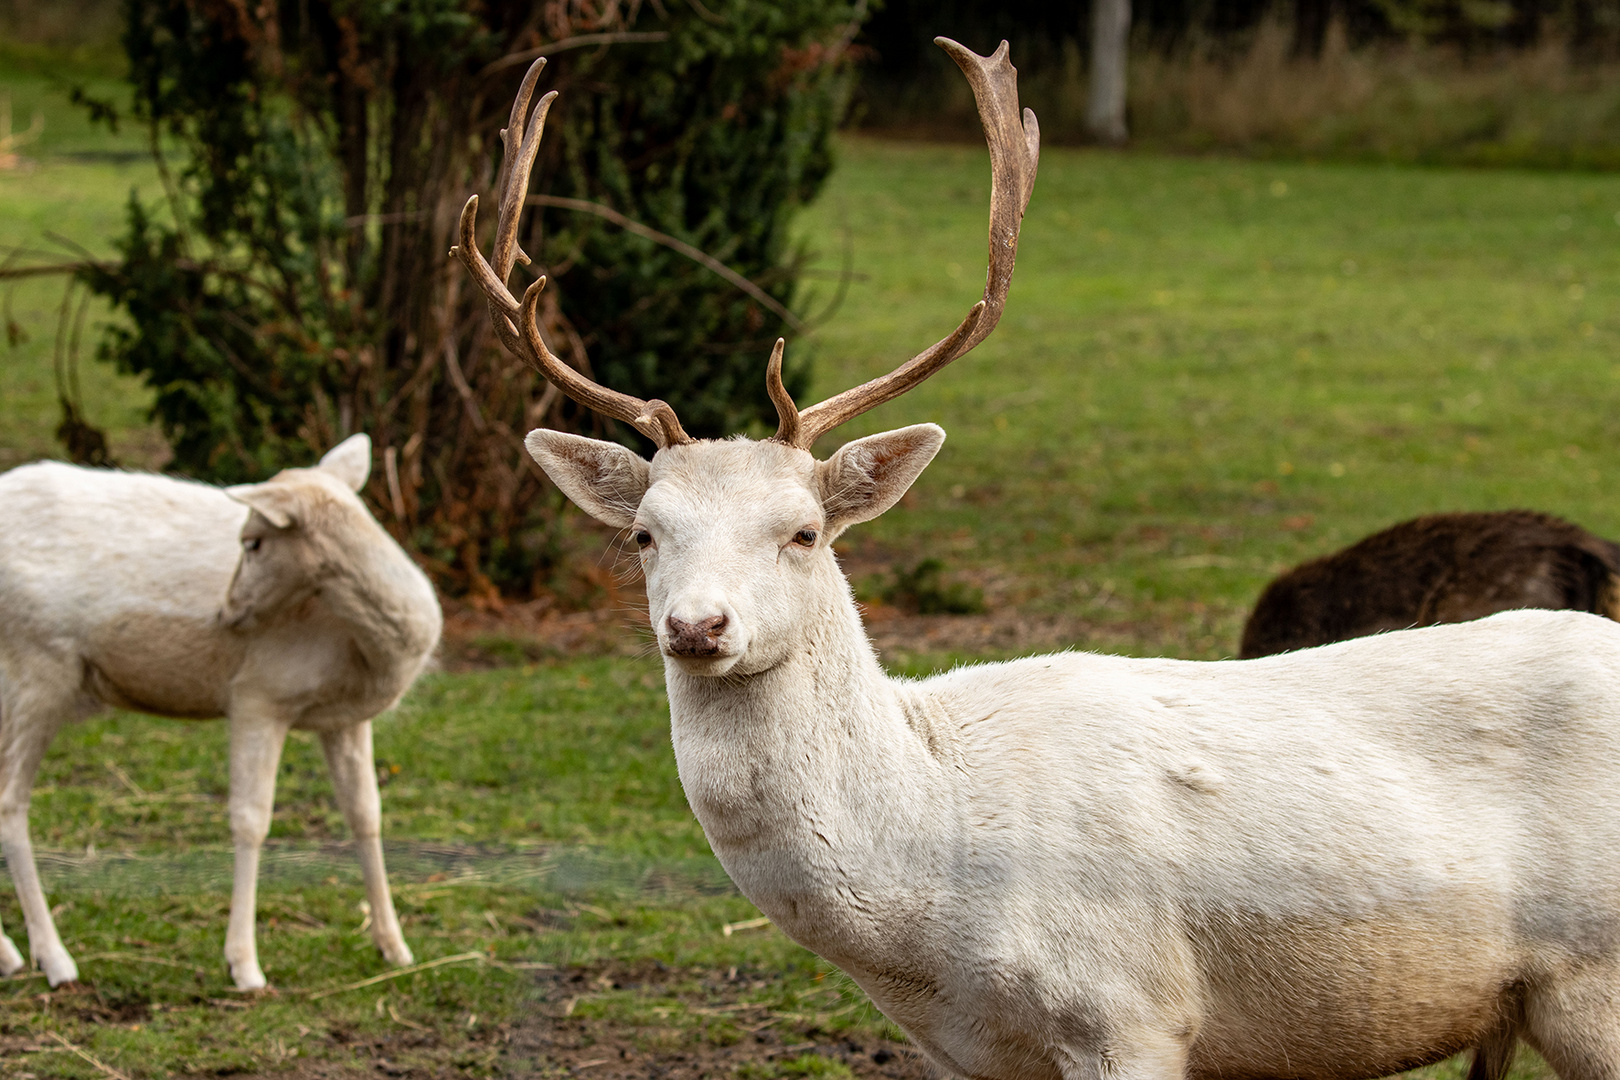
(1212,369)
(66,202)
(1209,369)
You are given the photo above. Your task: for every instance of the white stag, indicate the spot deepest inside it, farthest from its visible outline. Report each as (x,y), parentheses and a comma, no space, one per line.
(1335,864)
(279,605)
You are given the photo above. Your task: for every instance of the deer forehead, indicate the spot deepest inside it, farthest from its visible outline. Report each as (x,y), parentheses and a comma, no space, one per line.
(316,484)
(734,479)
(326,509)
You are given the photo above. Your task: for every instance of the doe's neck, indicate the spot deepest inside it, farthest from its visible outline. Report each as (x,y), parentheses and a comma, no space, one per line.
(388,607)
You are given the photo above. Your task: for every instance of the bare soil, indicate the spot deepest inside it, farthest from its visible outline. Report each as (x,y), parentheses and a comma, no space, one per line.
(735,1038)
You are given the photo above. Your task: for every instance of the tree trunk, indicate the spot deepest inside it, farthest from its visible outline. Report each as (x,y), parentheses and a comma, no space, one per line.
(1110,37)
(1311,19)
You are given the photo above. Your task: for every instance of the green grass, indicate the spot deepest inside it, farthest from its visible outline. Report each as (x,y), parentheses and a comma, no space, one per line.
(1208,370)
(1212,369)
(533,816)
(68,199)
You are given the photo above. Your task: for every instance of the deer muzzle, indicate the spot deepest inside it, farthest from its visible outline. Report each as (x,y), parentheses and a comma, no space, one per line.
(695,639)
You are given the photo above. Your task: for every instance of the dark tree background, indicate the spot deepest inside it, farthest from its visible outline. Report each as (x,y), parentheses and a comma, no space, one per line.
(904,80)
(295,287)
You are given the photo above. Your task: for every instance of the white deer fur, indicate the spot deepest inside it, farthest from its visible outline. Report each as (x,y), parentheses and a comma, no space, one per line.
(1338,863)
(278,605)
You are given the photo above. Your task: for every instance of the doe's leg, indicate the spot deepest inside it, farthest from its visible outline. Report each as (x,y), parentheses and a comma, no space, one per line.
(27,725)
(257,737)
(354,780)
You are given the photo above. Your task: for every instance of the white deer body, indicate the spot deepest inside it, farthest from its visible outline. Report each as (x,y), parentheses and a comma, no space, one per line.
(1040,866)
(1339,863)
(1329,865)
(184,600)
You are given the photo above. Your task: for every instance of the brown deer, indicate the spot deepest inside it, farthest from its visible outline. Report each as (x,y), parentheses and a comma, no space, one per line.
(1443,568)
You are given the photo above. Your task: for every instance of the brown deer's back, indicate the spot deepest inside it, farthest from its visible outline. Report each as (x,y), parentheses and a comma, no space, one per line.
(1443,568)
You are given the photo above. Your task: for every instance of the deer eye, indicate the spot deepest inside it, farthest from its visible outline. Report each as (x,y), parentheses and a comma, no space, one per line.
(805,538)
(251,543)
(643,538)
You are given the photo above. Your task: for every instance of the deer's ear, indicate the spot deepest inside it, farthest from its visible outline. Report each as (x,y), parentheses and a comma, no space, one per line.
(867,476)
(603,479)
(278,504)
(350,461)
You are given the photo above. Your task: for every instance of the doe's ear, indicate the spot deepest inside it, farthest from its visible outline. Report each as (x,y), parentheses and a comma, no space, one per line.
(276,503)
(867,476)
(603,479)
(350,461)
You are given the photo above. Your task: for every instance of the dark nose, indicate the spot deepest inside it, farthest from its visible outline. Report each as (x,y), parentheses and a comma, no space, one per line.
(701,638)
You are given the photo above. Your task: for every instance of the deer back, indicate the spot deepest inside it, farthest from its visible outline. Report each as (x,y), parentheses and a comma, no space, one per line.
(114,579)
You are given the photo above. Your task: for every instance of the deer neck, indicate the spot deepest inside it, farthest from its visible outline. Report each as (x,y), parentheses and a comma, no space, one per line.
(816,777)
(388,609)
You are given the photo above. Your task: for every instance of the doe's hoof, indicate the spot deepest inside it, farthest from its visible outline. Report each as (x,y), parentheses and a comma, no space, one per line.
(398,954)
(248,977)
(11,961)
(59,970)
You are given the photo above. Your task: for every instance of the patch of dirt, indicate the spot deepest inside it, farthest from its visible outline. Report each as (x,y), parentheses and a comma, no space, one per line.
(765,1041)
(898,635)
(559,1039)
(480,638)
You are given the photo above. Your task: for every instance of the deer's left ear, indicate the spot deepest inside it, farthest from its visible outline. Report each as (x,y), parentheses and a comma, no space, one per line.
(867,476)
(350,461)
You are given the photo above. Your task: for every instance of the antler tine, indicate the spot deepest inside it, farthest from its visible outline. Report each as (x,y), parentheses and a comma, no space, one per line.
(517,324)
(1015,147)
(522,141)
(654,419)
(788,430)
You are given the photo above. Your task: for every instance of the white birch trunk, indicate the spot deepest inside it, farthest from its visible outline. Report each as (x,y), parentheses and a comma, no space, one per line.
(1110,38)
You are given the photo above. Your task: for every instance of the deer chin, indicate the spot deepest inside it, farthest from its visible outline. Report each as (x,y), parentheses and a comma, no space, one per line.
(704,667)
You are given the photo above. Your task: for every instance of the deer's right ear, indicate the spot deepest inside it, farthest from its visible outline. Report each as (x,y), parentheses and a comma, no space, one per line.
(278,504)
(603,479)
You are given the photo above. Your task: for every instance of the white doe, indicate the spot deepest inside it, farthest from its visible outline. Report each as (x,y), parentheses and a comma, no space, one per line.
(1335,864)
(278,605)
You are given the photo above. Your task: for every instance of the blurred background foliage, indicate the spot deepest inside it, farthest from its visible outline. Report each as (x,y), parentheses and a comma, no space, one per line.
(289,284)
(297,288)
(1521,82)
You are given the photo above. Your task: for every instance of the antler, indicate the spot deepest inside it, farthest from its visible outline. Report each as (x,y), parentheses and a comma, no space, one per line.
(515,321)
(1015,150)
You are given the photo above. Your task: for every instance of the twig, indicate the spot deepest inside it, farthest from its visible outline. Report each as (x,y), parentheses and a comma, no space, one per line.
(705,14)
(56,268)
(459,958)
(136,958)
(123,778)
(851,31)
(747,924)
(580,41)
(585,206)
(163,797)
(86,1055)
(395,494)
(398,1019)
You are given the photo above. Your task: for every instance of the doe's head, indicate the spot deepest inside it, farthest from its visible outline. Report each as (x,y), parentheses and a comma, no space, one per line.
(735,536)
(301,524)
